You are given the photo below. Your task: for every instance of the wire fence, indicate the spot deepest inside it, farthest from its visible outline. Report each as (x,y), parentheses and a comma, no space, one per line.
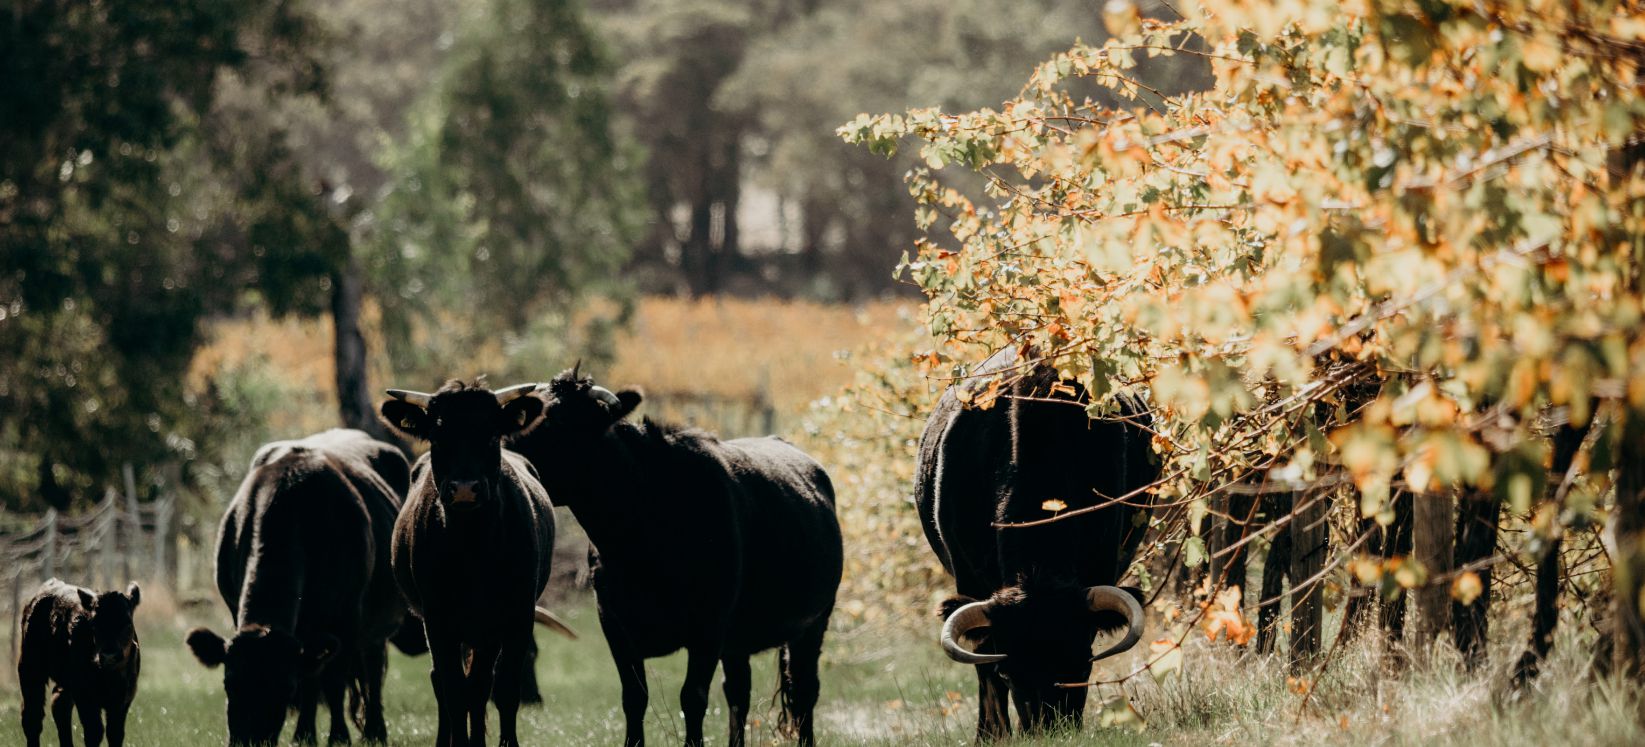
(118,540)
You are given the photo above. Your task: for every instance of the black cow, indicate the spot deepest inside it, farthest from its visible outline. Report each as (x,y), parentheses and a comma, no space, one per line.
(1033,599)
(303,565)
(723,548)
(472,548)
(86,643)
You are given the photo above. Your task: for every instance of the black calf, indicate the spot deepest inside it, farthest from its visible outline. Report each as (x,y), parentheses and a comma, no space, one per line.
(85,642)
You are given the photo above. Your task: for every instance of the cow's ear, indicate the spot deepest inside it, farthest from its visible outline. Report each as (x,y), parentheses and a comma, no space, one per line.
(627,401)
(521,416)
(404,418)
(207,646)
(317,652)
(947,606)
(88,600)
(134,595)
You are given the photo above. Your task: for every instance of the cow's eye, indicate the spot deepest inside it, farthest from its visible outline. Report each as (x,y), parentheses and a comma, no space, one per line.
(407,423)
(520,416)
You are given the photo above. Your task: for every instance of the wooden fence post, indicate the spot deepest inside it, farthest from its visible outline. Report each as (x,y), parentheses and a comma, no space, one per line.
(132,521)
(16,611)
(162,517)
(1276,565)
(1431,541)
(48,563)
(1310,542)
(1478,512)
(110,532)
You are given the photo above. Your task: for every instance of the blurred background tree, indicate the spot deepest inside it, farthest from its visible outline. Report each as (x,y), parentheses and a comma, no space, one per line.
(482,185)
(114,163)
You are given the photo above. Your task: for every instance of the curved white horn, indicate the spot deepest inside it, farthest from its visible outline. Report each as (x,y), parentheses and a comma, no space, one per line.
(1115,599)
(419,399)
(549,620)
(575,368)
(505,396)
(963,621)
(604,395)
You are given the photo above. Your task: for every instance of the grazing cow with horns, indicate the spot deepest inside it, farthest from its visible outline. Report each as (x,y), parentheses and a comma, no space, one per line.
(86,643)
(1033,599)
(723,548)
(472,548)
(302,563)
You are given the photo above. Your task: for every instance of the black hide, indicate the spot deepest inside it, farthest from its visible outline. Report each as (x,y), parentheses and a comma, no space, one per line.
(303,565)
(472,551)
(978,467)
(723,548)
(85,643)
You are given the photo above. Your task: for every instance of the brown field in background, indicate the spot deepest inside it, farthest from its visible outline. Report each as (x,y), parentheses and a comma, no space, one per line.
(737,348)
(788,351)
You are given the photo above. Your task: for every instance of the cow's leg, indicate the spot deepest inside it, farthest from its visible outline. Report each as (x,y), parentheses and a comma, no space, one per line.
(530,693)
(117,724)
(336,686)
(736,687)
(993,704)
(800,684)
(700,663)
(518,654)
(91,721)
(62,714)
(631,671)
(308,706)
(31,677)
(374,664)
(450,686)
(482,675)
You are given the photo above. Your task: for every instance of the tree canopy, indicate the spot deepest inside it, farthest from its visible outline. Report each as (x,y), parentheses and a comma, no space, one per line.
(111,249)
(1396,243)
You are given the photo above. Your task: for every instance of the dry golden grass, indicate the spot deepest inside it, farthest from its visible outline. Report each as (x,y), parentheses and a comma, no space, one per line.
(730,348)
(738,348)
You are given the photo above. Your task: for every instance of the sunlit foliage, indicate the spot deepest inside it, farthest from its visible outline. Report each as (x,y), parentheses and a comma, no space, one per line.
(1384,245)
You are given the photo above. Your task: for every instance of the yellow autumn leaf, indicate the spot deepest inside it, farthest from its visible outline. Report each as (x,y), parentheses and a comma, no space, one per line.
(1467,587)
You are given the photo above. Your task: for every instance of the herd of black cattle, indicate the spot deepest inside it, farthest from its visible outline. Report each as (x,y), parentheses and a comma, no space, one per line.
(334,547)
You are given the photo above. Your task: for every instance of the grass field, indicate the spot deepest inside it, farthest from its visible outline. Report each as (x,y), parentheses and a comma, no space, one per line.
(895,688)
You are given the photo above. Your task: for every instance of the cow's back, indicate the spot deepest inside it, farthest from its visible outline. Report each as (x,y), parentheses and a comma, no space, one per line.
(47,637)
(297,547)
(979,467)
(380,476)
(792,549)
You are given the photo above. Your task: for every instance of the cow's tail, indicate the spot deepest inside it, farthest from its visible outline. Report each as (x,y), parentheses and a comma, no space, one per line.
(356,697)
(785,694)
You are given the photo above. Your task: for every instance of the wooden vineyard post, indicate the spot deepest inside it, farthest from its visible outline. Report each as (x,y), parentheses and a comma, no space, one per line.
(1310,542)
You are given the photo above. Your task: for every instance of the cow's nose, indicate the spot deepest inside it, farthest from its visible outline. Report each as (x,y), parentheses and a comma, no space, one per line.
(463,491)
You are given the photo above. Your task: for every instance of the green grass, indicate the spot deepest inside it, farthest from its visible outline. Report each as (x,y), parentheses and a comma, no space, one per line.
(895,688)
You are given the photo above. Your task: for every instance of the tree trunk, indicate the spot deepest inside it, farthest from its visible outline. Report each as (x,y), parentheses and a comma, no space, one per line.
(1397,542)
(1628,527)
(1477,514)
(1231,570)
(355,405)
(1431,526)
(1310,542)
(695,250)
(1545,619)
(1386,542)
(1275,567)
